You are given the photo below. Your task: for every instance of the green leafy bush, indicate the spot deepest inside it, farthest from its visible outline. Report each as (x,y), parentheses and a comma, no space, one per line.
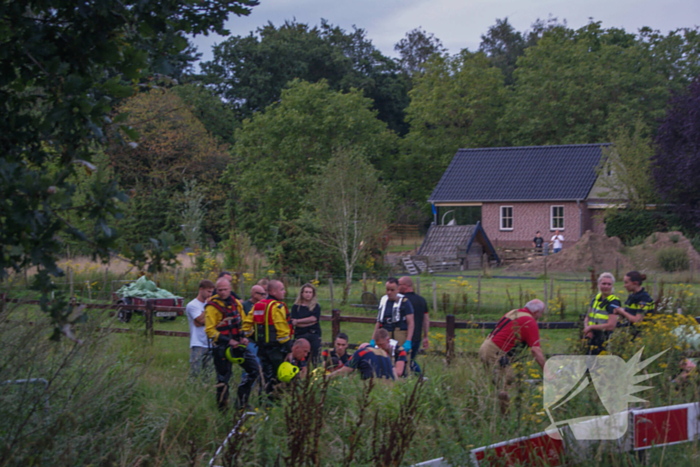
(629,224)
(673,259)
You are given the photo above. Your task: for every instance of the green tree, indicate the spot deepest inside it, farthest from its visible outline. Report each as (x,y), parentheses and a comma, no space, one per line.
(578,86)
(208,108)
(350,208)
(503,45)
(250,72)
(627,171)
(174,147)
(278,152)
(62,66)
(456,103)
(416,48)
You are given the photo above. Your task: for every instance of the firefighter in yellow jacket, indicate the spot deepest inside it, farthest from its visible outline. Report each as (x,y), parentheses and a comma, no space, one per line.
(268,325)
(223,321)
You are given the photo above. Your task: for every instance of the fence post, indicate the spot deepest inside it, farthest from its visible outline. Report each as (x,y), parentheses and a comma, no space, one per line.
(418,284)
(478,295)
(551,288)
(364,282)
(335,323)
(434,298)
(656,288)
(330,284)
(617,267)
(104,288)
(241,288)
(545,266)
(70,276)
(450,338)
(149,318)
(175,284)
(317,277)
(546,301)
(89,287)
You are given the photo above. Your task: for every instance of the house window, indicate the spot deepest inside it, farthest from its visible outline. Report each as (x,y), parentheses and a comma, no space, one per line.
(557,218)
(506,217)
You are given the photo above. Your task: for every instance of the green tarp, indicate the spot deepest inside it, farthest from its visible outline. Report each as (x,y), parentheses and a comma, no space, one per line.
(143,288)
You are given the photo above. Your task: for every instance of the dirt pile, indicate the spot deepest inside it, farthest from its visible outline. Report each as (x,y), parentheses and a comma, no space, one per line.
(645,255)
(592,250)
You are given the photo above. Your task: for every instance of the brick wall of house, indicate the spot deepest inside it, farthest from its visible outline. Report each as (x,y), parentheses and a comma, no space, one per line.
(528,218)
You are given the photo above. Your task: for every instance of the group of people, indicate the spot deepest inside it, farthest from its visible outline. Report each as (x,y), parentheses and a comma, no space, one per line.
(557,241)
(606,314)
(273,345)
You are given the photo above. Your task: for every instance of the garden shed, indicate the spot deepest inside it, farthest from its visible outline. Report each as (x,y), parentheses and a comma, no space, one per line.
(455,247)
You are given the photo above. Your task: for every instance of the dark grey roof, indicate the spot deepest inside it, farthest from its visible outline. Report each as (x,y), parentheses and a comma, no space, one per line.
(443,240)
(532,173)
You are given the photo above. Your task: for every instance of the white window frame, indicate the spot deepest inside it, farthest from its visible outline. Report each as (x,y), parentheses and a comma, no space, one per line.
(501,218)
(552,216)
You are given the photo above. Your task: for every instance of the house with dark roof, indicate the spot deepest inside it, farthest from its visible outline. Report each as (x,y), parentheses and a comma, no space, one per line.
(520,190)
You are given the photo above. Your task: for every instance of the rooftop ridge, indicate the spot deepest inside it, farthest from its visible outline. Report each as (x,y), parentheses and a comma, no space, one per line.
(553,146)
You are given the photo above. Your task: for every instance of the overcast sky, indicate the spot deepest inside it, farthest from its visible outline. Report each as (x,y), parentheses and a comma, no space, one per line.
(458,23)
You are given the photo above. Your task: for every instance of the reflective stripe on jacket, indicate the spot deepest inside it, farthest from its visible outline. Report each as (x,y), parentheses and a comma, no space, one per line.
(598,313)
(221,319)
(269,322)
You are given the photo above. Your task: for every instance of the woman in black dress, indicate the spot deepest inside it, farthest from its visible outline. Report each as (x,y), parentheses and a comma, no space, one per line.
(306,317)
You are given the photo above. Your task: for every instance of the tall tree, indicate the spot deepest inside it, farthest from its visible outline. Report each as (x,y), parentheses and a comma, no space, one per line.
(455,104)
(62,65)
(174,147)
(350,207)
(626,173)
(250,72)
(677,160)
(416,49)
(217,118)
(279,151)
(578,86)
(503,45)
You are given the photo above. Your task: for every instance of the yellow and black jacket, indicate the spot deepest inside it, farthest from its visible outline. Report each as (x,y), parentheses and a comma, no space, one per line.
(639,303)
(222,319)
(601,309)
(268,323)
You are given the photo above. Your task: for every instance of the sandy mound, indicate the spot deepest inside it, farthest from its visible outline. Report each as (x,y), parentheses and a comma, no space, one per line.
(644,255)
(592,250)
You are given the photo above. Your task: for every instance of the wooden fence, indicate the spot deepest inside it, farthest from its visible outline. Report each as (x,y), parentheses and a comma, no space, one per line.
(450,324)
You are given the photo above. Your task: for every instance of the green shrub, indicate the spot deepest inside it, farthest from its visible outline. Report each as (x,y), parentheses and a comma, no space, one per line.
(628,224)
(673,259)
(638,240)
(674,238)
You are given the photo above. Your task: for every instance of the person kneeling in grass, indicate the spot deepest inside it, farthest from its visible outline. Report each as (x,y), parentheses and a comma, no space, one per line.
(371,362)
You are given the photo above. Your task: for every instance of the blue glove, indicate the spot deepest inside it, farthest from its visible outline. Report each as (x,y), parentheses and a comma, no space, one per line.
(371,343)
(407,346)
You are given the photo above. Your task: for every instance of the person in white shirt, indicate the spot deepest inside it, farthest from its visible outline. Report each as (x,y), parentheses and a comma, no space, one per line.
(557,240)
(199,343)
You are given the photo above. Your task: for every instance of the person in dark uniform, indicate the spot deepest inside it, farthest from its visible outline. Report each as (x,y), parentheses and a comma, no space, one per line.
(601,320)
(371,362)
(337,357)
(395,316)
(306,317)
(637,305)
(421,320)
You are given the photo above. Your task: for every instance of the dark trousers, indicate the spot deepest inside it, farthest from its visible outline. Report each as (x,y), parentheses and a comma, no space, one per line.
(315,342)
(224,370)
(413,365)
(271,357)
(597,344)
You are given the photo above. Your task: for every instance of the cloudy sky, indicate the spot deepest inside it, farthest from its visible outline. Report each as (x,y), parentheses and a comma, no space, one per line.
(459,23)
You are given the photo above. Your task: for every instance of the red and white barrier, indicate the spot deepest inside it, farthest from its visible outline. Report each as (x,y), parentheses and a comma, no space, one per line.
(647,428)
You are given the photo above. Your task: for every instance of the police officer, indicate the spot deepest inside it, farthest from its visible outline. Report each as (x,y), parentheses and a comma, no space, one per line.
(395,316)
(222,317)
(601,319)
(637,304)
